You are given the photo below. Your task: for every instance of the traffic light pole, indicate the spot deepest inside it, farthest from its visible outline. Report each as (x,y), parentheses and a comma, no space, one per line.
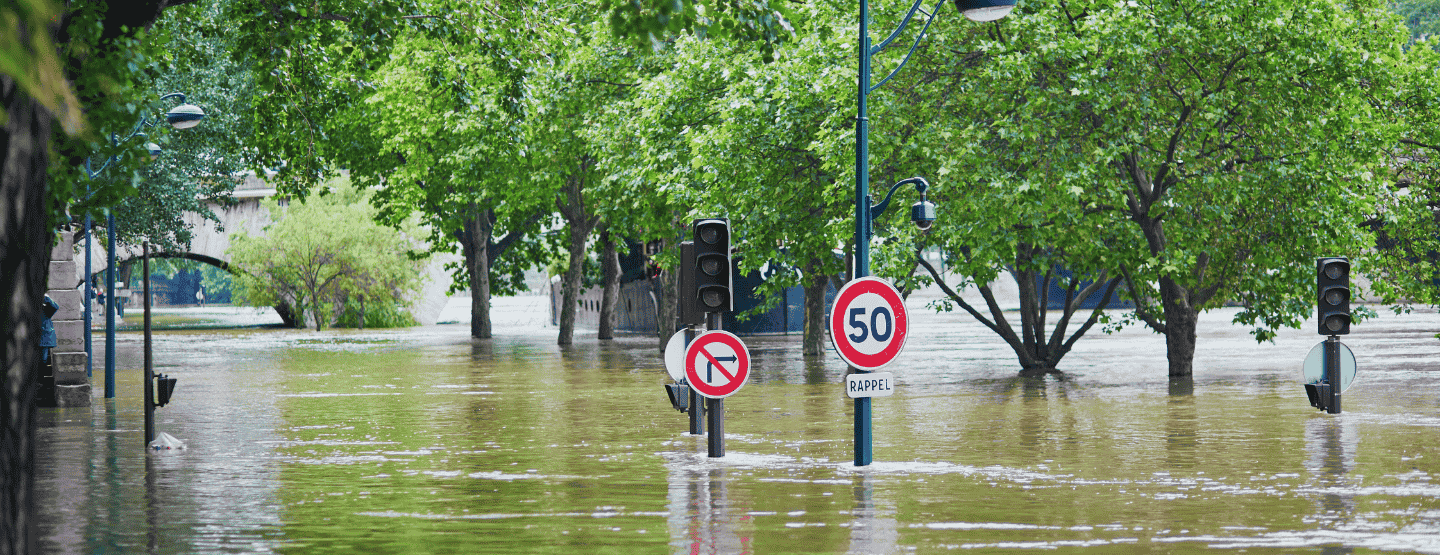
(149,359)
(1332,373)
(697,402)
(1332,290)
(715,408)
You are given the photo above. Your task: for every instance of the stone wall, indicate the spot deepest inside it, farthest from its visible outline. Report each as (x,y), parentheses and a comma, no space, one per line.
(72,385)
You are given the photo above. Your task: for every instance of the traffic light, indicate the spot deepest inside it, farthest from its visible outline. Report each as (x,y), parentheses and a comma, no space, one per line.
(1332,285)
(712,264)
(688,301)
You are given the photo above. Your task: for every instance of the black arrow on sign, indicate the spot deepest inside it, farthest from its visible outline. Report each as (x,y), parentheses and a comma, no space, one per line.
(715,363)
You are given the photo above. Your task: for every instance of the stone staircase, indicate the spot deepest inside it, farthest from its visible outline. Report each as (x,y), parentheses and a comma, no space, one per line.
(72,386)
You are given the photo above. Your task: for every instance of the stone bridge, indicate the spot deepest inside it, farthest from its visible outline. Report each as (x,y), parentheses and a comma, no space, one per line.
(248,214)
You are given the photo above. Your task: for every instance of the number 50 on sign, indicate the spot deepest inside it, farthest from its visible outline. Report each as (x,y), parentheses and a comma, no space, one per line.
(868,323)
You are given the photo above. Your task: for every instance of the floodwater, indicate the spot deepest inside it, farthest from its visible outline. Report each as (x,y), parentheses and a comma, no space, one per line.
(424,441)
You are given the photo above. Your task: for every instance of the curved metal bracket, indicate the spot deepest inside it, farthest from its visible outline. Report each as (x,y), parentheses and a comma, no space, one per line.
(896,33)
(920,185)
(928,20)
(144,122)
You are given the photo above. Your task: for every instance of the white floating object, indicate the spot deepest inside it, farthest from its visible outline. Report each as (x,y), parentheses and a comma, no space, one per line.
(166,441)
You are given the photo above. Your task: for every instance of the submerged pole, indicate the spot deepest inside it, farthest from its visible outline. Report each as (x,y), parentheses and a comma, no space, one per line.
(697,402)
(715,408)
(149,362)
(1332,373)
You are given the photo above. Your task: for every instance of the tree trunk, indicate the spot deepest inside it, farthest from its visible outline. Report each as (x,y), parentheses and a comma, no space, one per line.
(1179,305)
(815,284)
(579,224)
(315,308)
(667,311)
(290,317)
(24,263)
(570,284)
(474,241)
(1181,320)
(610,269)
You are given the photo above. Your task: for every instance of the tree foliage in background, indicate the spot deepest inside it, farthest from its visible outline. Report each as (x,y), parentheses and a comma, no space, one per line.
(313,60)
(1422,17)
(778,156)
(444,115)
(565,93)
(655,22)
(199,166)
(1222,147)
(322,254)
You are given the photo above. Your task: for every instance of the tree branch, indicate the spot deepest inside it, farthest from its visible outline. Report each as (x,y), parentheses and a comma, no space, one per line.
(1140,310)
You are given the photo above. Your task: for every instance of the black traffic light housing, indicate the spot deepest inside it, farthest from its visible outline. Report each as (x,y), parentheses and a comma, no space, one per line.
(713,282)
(679,394)
(688,299)
(165,387)
(1332,286)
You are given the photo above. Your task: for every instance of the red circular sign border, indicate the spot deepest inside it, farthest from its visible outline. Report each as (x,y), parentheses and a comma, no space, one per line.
(742,354)
(847,352)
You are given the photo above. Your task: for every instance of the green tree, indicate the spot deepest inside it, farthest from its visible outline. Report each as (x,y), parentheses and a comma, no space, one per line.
(75,69)
(655,22)
(1224,145)
(321,253)
(566,94)
(1004,213)
(774,157)
(642,143)
(444,115)
(198,166)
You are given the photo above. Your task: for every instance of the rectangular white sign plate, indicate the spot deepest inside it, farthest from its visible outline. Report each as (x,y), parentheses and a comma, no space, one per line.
(870,384)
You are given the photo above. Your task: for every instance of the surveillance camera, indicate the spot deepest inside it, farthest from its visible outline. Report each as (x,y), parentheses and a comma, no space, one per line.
(923,214)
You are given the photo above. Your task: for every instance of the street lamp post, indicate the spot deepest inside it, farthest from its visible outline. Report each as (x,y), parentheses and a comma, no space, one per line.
(975,10)
(183,116)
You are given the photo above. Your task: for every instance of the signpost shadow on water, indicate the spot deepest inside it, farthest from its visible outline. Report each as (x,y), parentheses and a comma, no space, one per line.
(870,531)
(701,518)
(1332,446)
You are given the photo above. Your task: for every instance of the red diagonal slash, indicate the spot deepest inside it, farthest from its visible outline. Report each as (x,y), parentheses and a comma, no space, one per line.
(712,360)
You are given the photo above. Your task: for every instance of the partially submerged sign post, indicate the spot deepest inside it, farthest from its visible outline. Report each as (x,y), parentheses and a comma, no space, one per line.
(717,364)
(868,325)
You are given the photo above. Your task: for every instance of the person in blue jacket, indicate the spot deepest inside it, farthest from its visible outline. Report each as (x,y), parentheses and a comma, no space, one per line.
(48,308)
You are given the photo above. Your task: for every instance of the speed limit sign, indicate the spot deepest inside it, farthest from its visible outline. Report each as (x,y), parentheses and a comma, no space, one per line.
(868,323)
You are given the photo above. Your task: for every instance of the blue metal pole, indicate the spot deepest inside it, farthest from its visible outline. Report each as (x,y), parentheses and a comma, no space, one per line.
(864,453)
(89,300)
(110,305)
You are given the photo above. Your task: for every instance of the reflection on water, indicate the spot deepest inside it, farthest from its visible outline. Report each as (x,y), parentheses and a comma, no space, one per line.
(426,441)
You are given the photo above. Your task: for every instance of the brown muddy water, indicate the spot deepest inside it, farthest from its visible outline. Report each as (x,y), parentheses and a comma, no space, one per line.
(425,441)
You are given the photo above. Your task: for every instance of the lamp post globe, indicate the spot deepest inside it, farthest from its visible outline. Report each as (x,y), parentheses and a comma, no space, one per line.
(184,116)
(981,11)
